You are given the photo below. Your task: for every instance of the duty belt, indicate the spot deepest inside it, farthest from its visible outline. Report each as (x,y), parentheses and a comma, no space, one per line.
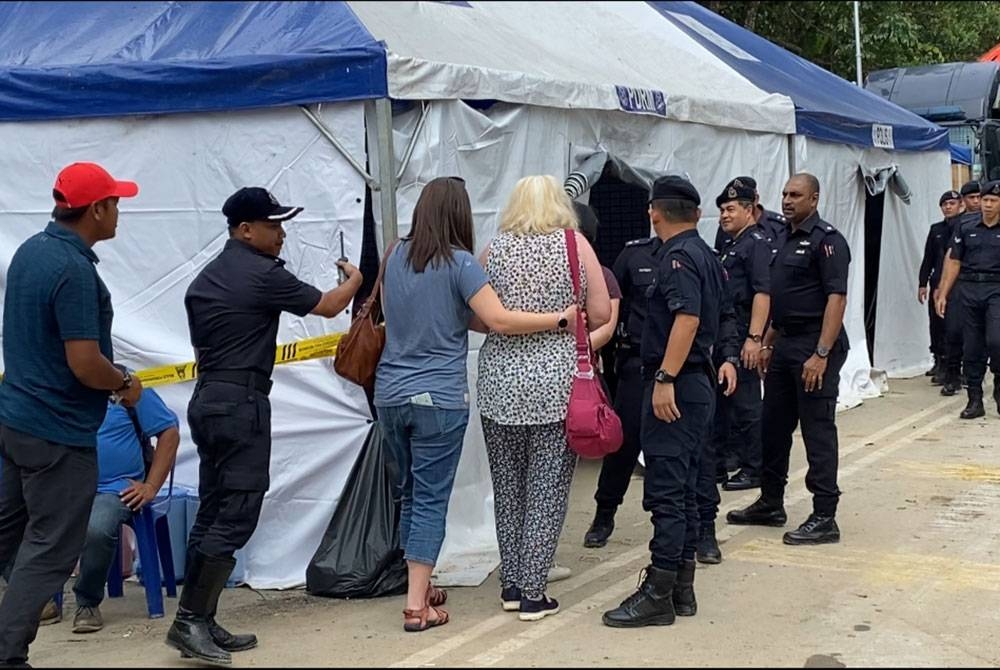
(980,277)
(248,378)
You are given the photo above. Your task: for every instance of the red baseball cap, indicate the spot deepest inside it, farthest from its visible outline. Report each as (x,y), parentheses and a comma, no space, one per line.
(81,184)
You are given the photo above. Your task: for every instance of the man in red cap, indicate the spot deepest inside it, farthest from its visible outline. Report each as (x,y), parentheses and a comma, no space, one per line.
(58,374)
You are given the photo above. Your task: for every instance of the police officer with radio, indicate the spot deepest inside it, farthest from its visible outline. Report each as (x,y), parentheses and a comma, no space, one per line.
(801,359)
(929,278)
(974,263)
(679,332)
(233,308)
(635,270)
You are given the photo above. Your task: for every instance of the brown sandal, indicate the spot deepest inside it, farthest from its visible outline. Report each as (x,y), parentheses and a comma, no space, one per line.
(422,615)
(435,596)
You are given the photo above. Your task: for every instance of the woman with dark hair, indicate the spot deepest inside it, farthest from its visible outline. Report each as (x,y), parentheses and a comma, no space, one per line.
(432,287)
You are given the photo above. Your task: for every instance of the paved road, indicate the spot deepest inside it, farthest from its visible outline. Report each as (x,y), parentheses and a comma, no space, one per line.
(914,582)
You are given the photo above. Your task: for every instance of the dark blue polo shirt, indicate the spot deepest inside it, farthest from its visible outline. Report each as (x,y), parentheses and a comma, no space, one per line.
(811,263)
(689,280)
(234,306)
(54,294)
(977,246)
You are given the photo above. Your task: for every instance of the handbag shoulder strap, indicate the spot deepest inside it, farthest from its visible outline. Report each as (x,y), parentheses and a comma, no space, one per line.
(373,299)
(583,363)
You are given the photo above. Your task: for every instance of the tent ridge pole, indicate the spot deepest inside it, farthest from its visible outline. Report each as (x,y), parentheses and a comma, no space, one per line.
(328,134)
(411,145)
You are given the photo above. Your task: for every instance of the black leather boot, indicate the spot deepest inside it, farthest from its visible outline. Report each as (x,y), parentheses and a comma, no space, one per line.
(222,637)
(934,368)
(760,513)
(952,382)
(651,605)
(600,529)
(190,633)
(707,548)
(974,409)
(684,601)
(817,529)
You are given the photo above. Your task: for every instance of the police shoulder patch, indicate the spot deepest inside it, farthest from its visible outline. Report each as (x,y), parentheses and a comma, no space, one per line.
(639,242)
(757,235)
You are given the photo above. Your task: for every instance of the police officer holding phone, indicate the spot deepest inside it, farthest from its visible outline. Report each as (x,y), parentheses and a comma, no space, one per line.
(233,308)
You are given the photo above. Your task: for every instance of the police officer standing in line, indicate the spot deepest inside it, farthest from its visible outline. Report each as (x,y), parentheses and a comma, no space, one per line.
(747,260)
(233,308)
(801,359)
(975,263)
(954,320)
(768,222)
(635,270)
(929,277)
(681,327)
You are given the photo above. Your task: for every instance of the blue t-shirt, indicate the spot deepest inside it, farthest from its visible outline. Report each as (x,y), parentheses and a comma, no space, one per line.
(119,453)
(53,294)
(427,330)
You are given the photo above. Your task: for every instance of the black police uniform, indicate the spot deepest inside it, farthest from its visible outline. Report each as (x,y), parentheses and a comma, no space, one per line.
(635,270)
(930,275)
(977,248)
(954,319)
(233,308)
(811,263)
(769,223)
(747,261)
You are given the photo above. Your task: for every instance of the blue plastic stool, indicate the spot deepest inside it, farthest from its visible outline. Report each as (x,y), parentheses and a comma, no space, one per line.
(152,534)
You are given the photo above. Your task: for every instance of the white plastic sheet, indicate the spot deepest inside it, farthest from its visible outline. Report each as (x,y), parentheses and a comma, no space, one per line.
(186,165)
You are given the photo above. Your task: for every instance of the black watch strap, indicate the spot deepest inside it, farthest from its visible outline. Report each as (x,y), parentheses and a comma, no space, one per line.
(664,377)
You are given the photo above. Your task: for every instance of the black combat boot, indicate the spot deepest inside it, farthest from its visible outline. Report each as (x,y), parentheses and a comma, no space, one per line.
(707,549)
(684,601)
(952,381)
(974,409)
(934,368)
(817,529)
(651,605)
(190,633)
(761,512)
(222,637)
(601,528)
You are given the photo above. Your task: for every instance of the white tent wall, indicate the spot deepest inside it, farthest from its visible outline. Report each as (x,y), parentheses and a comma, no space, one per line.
(186,165)
(901,323)
(494,148)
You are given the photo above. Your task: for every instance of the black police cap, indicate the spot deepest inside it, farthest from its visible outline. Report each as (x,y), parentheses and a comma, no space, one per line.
(745,181)
(736,190)
(253,203)
(991,188)
(672,187)
(970,188)
(949,195)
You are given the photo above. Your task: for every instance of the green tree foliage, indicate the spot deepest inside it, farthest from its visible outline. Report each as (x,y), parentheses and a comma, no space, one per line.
(892,33)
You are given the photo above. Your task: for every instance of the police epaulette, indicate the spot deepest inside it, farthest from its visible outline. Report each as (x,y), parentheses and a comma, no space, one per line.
(638,242)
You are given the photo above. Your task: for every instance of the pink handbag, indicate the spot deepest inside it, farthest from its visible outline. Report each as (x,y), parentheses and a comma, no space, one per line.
(593,430)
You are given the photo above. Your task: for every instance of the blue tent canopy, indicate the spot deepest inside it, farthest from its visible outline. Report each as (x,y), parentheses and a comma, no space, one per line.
(117,58)
(826,106)
(961,155)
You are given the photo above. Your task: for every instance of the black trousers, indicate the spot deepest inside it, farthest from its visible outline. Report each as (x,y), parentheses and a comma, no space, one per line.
(672,452)
(743,411)
(616,469)
(786,405)
(954,336)
(46,491)
(937,329)
(981,302)
(231,425)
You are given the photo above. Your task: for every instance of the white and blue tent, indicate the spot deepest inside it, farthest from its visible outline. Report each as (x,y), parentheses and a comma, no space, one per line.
(195,99)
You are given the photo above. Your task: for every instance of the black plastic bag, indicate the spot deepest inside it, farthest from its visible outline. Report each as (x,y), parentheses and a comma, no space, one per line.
(359,556)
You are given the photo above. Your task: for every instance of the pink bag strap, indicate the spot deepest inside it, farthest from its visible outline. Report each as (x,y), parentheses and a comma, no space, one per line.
(583,363)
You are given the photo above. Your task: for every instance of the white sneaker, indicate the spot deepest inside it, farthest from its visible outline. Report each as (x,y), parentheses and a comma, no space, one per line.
(559,572)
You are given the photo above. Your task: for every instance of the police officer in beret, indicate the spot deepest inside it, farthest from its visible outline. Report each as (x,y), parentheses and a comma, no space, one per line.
(233,308)
(801,359)
(681,326)
(769,223)
(635,270)
(929,277)
(975,263)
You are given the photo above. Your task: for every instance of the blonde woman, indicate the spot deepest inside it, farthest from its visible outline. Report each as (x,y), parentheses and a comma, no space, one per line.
(524,384)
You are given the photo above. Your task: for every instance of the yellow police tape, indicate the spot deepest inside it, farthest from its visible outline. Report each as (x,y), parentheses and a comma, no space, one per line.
(302,350)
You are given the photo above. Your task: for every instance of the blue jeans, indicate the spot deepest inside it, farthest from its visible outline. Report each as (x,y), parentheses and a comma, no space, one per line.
(107,515)
(425,443)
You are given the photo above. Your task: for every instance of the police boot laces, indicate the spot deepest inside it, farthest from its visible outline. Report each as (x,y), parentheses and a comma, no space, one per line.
(812,523)
(639,594)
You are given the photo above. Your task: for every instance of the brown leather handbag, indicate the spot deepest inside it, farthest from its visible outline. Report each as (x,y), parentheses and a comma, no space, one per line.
(359,351)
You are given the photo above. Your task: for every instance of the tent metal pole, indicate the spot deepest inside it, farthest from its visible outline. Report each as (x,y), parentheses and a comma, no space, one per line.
(328,134)
(424,108)
(857,38)
(386,170)
(791,155)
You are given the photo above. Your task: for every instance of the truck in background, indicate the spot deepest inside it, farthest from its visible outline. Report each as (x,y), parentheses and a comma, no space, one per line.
(962,97)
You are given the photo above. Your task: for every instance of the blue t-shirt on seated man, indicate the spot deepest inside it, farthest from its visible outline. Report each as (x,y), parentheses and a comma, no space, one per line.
(123,487)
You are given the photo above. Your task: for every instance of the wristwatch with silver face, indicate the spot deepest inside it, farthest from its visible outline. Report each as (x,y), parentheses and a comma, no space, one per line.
(822,351)
(664,377)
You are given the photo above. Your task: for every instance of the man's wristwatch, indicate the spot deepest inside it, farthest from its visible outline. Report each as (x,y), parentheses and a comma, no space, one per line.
(664,377)
(822,351)
(126,378)
(755,338)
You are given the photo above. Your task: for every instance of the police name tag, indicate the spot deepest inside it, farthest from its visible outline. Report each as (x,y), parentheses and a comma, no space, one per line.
(882,136)
(641,100)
